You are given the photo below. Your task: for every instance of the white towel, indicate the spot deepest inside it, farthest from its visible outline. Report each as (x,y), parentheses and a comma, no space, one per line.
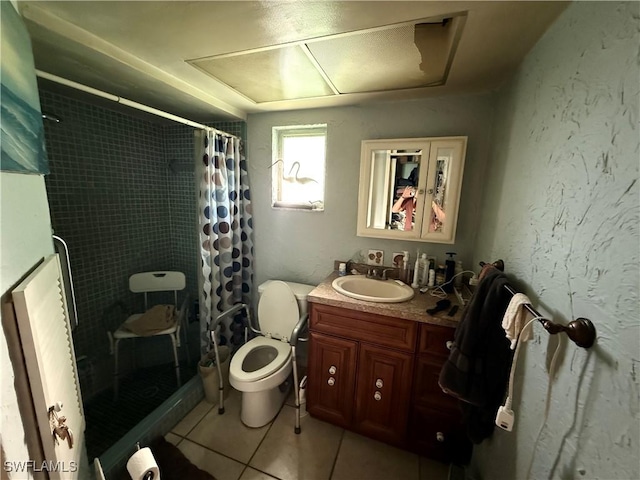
(514,319)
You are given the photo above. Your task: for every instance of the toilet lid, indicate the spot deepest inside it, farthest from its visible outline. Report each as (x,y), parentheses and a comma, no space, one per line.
(278,311)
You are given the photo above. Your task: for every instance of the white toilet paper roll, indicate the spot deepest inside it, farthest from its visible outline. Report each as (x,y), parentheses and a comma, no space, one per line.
(141,463)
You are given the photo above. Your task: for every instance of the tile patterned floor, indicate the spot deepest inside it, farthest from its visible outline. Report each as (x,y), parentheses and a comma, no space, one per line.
(224,447)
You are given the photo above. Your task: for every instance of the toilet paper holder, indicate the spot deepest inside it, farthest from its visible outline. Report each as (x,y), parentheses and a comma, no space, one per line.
(148,475)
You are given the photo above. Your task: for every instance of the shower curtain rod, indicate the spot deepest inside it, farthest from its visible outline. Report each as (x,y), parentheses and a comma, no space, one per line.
(128,103)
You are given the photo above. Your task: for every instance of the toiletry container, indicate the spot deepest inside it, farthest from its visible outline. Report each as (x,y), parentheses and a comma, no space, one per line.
(449,272)
(342,269)
(424,270)
(405,275)
(432,277)
(457,281)
(416,274)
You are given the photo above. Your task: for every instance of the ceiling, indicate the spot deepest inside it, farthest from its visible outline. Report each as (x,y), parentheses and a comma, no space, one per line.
(210,61)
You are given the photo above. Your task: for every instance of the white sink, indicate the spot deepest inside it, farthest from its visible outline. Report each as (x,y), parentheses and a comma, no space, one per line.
(370,290)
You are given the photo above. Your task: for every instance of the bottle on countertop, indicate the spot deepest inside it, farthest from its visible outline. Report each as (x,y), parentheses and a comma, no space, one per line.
(342,269)
(416,272)
(457,281)
(432,277)
(449,272)
(440,275)
(424,270)
(405,268)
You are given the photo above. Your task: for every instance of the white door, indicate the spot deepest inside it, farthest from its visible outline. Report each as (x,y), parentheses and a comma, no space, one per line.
(43,321)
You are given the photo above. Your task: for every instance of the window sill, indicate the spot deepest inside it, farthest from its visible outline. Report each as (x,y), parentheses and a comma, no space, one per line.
(298,206)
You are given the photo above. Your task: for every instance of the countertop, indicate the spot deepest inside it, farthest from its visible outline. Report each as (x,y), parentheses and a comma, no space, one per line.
(414,309)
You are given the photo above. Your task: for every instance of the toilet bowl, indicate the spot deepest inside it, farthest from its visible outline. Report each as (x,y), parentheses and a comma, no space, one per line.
(261,366)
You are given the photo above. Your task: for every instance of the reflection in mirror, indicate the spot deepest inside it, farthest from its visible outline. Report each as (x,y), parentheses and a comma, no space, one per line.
(439,189)
(410,188)
(393,188)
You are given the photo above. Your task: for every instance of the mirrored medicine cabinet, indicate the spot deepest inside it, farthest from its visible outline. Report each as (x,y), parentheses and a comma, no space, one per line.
(410,188)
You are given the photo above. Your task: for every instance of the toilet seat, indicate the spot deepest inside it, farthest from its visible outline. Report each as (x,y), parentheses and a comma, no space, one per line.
(283,355)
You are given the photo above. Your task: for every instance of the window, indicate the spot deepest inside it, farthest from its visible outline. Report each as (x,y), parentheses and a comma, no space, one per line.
(298,167)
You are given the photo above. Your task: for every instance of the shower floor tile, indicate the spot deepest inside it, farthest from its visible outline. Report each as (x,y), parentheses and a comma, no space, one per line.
(140,393)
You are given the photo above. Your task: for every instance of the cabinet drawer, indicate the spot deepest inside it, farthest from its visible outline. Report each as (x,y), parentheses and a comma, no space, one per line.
(376,329)
(439,435)
(426,390)
(434,338)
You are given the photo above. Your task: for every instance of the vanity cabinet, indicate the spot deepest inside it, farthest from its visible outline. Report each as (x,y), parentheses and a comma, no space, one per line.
(378,376)
(410,188)
(370,395)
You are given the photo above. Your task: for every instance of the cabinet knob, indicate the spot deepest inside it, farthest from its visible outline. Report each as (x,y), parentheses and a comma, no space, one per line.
(379,383)
(430,191)
(449,344)
(377,396)
(332,370)
(331,381)
(440,437)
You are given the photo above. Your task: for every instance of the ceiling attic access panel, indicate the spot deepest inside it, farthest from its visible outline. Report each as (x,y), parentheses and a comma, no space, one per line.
(283,73)
(407,56)
(415,54)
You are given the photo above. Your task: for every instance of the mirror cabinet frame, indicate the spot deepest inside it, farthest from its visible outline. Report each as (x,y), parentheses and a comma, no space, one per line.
(371,177)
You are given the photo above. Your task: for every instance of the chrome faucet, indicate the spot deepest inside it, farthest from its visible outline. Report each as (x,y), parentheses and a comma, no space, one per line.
(384,272)
(373,273)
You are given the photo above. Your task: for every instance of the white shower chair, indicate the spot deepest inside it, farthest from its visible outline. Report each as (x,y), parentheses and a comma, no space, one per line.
(145,283)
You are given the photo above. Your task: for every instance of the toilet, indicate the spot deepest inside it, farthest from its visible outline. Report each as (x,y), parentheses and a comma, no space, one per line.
(264,363)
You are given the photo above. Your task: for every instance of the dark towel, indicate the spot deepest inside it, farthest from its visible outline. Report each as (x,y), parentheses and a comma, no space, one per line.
(173,464)
(477,369)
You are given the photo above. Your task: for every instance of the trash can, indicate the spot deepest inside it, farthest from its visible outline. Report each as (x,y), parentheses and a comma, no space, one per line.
(209,373)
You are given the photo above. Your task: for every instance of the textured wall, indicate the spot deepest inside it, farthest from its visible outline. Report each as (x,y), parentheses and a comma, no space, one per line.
(561,208)
(301,245)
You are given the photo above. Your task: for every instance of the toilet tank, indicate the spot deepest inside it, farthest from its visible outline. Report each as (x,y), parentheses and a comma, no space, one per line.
(300,290)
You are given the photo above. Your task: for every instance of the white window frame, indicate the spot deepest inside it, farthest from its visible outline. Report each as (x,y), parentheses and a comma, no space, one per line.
(278,169)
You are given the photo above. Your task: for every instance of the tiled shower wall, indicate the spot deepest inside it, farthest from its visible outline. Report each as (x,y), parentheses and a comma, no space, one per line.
(122,194)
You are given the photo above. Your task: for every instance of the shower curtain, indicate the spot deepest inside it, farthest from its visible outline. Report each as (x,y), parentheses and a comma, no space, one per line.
(226,234)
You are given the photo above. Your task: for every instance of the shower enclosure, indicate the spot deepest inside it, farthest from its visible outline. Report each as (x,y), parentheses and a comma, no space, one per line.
(122,195)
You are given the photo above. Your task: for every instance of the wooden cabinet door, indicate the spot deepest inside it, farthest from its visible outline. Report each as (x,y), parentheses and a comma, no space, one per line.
(383,393)
(426,390)
(331,378)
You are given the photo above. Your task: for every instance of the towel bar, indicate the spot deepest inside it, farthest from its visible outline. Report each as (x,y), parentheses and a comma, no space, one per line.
(580,331)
